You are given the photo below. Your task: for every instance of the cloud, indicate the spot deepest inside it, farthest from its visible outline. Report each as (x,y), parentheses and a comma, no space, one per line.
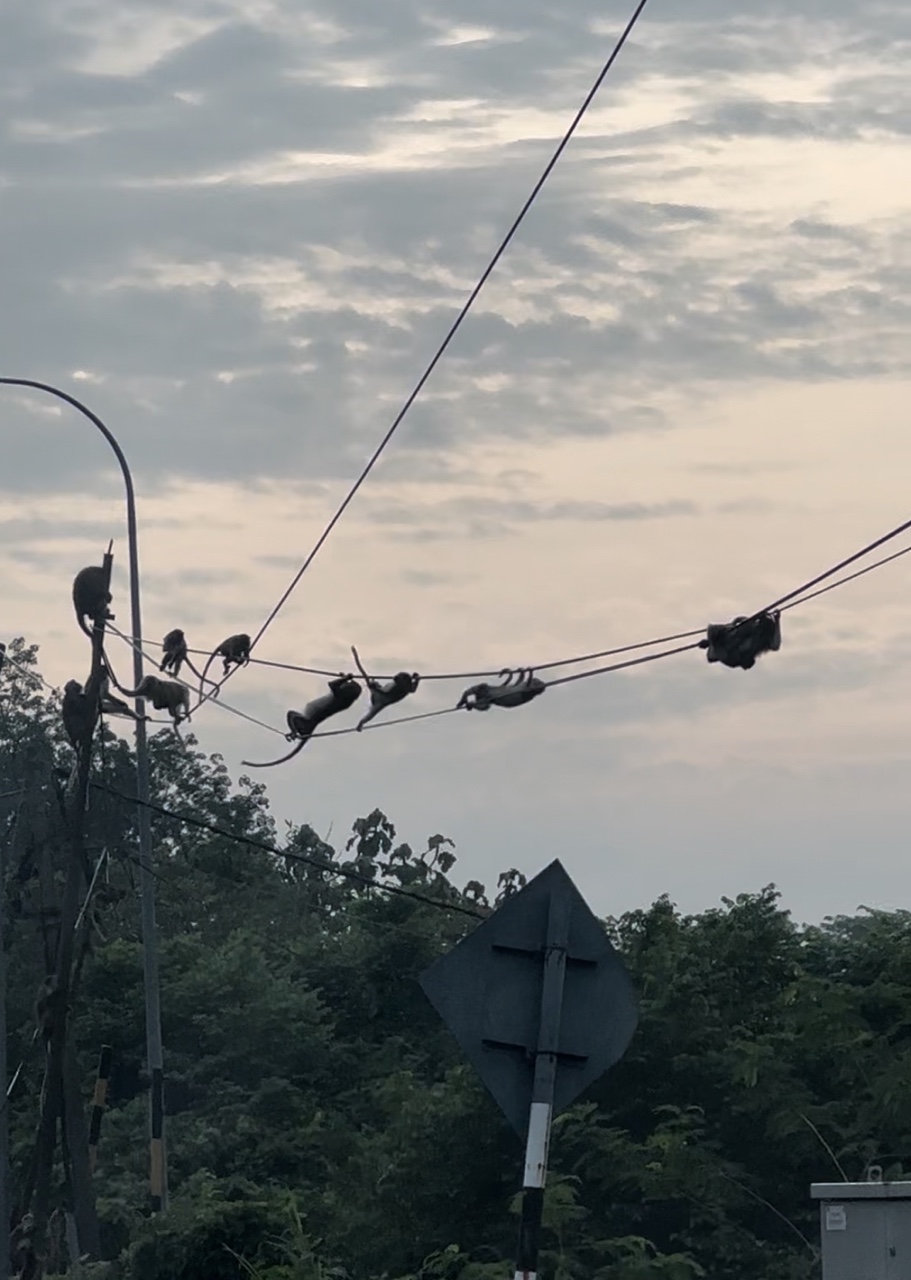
(240,230)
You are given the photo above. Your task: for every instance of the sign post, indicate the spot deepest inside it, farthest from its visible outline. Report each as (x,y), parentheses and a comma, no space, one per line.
(541,1109)
(541,1005)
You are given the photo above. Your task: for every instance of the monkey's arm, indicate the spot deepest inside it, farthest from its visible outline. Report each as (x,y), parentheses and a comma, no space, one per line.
(373,710)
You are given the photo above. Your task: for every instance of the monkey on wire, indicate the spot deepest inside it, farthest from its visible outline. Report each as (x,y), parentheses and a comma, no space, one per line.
(518,687)
(344,691)
(91,597)
(741,642)
(164,695)
(385,695)
(176,653)
(234,652)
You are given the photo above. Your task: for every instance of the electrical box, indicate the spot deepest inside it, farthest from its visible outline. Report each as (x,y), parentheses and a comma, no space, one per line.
(865,1229)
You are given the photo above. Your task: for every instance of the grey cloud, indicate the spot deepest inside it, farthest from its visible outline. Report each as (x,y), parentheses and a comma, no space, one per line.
(317,381)
(495,517)
(423,578)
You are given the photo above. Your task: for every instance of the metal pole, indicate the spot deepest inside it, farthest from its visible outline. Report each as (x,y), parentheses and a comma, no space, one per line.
(542,1095)
(157,1156)
(4,1108)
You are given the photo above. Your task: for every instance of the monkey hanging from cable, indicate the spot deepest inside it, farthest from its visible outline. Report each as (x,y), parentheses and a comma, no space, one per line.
(343,693)
(385,695)
(164,695)
(518,687)
(741,642)
(234,652)
(91,597)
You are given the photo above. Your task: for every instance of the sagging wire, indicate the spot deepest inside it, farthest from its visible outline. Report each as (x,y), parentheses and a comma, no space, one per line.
(345,873)
(621,666)
(521,685)
(491,674)
(456,324)
(603,653)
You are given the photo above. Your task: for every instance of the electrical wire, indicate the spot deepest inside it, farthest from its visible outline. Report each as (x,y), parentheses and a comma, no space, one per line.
(498,671)
(560,662)
(24,671)
(842,564)
(787,602)
(456,324)
(622,666)
(850,578)
(345,873)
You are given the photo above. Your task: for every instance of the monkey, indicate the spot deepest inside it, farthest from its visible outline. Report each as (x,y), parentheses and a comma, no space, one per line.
(344,691)
(234,652)
(164,695)
(2,655)
(22,1249)
(740,643)
(385,695)
(79,712)
(174,649)
(48,1006)
(113,706)
(517,688)
(91,597)
(175,654)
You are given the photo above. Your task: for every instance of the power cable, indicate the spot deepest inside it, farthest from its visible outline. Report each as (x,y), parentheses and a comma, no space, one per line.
(842,564)
(456,324)
(788,602)
(850,578)
(489,675)
(622,666)
(251,842)
(558,662)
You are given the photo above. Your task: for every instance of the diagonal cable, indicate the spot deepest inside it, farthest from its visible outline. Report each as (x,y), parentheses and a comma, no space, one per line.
(456,324)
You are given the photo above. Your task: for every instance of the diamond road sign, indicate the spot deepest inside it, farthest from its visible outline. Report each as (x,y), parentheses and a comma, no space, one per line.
(488,992)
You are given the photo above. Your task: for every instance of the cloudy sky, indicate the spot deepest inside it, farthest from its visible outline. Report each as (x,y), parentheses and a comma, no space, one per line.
(239,228)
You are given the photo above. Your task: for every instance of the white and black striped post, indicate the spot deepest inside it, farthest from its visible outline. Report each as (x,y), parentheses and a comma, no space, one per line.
(542,1096)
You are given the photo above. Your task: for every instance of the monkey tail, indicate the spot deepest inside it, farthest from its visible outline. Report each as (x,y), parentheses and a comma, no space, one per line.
(199,675)
(202,679)
(270,764)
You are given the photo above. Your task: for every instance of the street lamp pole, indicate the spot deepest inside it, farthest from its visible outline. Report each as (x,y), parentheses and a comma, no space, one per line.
(158,1163)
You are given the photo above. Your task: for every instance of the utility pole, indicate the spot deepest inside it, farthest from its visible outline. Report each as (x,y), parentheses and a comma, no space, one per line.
(61,1099)
(158,1165)
(4,1107)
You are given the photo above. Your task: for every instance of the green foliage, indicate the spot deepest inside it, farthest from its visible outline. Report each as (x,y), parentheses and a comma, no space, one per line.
(322,1124)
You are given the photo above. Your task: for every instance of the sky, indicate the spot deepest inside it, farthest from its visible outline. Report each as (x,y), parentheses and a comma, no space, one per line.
(238,229)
